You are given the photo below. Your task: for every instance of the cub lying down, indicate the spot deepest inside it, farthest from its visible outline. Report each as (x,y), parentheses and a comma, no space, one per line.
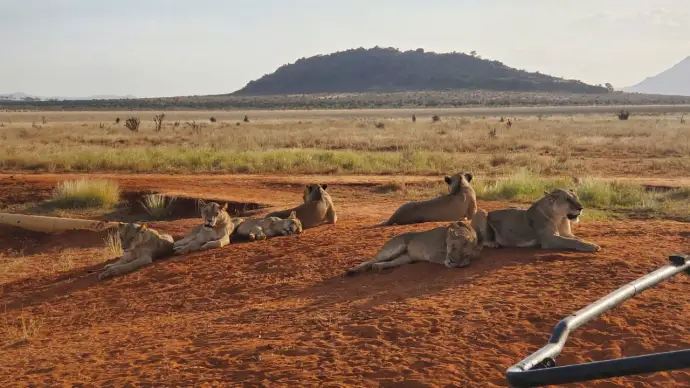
(141,246)
(263,228)
(454,245)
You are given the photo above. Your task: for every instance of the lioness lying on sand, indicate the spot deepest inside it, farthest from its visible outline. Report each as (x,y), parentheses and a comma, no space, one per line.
(459,203)
(214,232)
(454,245)
(141,246)
(317,208)
(546,224)
(263,228)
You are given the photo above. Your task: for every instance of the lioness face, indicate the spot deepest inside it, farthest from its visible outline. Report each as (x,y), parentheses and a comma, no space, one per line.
(128,234)
(566,202)
(457,181)
(312,190)
(211,213)
(459,246)
(294,224)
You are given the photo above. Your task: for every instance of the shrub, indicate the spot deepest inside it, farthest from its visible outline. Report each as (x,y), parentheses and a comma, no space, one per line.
(212,119)
(86,193)
(132,124)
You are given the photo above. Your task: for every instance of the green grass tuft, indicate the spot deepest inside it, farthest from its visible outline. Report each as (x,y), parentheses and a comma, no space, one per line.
(85,193)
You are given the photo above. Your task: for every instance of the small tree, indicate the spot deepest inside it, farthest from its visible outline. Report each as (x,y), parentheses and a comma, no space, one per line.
(682,119)
(158,120)
(380,125)
(117,120)
(44,120)
(132,124)
(246,119)
(212,119)
(492,133)
(414,118)
(435,118)
(608,87)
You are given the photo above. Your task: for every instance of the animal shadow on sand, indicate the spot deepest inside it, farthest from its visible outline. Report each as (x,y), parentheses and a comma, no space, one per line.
(422,278)
(29,292)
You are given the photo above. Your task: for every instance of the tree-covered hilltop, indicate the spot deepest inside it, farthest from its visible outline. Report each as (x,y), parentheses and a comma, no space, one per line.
(388,70)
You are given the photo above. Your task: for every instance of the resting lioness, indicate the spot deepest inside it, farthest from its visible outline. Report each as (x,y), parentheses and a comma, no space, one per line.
(454,245)
(317,208)
(263,228)
(214,232)
(141,246)
(546,223)
(459,203)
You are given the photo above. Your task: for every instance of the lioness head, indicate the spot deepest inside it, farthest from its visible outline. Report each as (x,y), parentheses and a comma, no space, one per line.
(313,192)
(130,234)
(212,213)
(565,203)
(458,181)
(294,225)
(462,244)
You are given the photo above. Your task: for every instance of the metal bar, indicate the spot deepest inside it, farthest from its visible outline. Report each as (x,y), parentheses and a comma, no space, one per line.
(539,368)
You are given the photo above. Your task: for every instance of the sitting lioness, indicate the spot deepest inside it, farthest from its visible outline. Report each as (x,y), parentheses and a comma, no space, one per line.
(317,208)
(263,228)
(214,232)
(546,224)
(459,203)
(141,246)
(454,245)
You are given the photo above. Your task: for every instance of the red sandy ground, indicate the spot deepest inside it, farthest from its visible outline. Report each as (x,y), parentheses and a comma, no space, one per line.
(278,312)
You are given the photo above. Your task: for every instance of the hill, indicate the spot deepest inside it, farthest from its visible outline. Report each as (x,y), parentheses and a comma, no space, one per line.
(390,70)
(674,81)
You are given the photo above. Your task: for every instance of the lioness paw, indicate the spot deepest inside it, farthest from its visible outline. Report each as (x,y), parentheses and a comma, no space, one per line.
(108,273)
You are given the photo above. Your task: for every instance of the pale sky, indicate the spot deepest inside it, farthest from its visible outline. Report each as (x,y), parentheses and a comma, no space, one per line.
(153,48)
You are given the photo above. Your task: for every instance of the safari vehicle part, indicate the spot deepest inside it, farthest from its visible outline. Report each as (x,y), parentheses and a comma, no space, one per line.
(539,369)
(52,224)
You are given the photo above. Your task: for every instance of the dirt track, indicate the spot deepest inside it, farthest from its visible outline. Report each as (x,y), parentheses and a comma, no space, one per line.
(278,312)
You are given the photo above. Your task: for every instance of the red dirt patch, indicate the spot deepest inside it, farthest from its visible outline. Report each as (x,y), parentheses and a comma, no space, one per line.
(278,312)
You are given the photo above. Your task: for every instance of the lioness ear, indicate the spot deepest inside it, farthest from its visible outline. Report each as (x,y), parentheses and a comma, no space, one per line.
(225,206)
(308,188)
(447,179)
(293,214)
(323,186)
(468,176)
(143,227)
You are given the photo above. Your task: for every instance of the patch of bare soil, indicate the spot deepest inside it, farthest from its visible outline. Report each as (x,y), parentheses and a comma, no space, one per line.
(278,312)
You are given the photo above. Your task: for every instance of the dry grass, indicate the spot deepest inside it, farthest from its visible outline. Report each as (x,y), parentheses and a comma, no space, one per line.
(85,193)
(113,245)
(547,145)
(22,329)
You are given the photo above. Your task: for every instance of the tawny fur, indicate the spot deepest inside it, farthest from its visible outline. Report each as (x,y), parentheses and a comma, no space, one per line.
(460,203)
(547,224)
(141,246)
(454,245)
(213,232)
(263,228)
(316,210)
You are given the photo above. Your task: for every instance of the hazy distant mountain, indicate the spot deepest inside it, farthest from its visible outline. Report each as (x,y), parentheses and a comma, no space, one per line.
(390,70)
(19,96)
(674,81)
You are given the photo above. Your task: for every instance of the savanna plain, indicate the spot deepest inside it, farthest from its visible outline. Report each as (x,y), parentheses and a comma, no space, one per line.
(279,312)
